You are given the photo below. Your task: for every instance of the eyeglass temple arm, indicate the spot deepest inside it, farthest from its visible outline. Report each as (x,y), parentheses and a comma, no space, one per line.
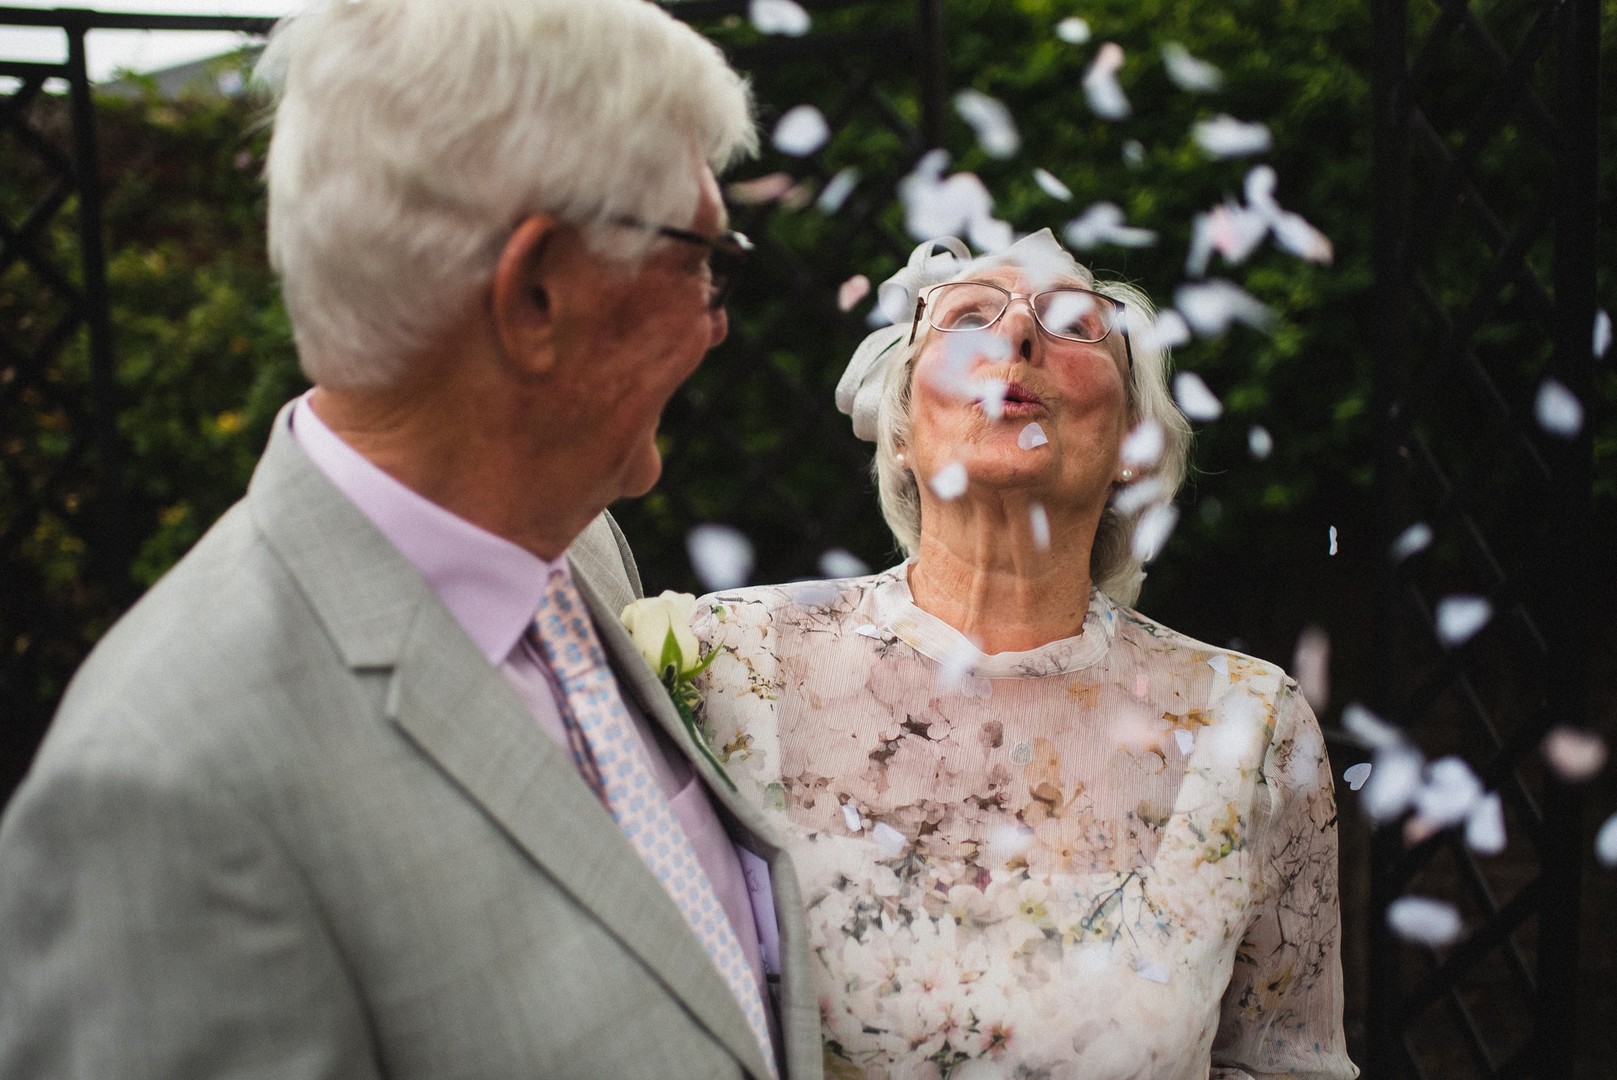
(920,304)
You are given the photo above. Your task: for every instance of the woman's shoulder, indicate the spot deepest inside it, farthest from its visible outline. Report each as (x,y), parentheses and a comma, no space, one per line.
(1154,643)
(793,603)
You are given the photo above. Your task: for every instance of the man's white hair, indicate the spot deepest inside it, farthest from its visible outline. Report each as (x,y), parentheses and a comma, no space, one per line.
(411,136)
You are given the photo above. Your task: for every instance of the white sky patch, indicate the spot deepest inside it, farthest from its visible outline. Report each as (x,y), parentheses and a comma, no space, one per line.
(721,556)
(841,563)
(888,840)
(850,292)
(1575,755)
(1212,306)
(992,122)
(1332,548)
(1459,617)
(1195,400)
(801,130)
(778,17)
(1143,446)
(1557,410)
(1485,826)
(1311,666)
(1602,333)
(1073,30)
(1259,443)
(1188,72)
(1416,538)
(949,483)
(1101,88)
(836,190)
(1038,522)
(1226,137)
(1052,185)
(1031,436)
(1356,775)
(1153,530)
(1103,223)
(1423,920)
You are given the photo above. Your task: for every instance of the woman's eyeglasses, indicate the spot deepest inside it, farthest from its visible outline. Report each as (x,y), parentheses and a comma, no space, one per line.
(1071,314)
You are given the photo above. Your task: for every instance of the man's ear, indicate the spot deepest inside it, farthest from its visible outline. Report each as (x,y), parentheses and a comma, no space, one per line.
(524,318)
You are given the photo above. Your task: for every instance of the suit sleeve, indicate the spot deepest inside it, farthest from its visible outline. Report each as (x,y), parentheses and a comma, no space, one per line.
(151,927)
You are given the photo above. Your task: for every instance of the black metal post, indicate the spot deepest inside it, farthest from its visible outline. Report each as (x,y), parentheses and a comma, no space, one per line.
(934,70)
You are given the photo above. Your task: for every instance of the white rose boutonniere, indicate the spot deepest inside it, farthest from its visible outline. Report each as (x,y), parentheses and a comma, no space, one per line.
(661,628)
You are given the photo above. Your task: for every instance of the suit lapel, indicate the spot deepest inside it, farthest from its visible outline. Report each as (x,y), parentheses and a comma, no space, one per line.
(460,713)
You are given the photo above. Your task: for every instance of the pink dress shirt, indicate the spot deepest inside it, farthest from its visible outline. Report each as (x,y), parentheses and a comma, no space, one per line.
(493,587)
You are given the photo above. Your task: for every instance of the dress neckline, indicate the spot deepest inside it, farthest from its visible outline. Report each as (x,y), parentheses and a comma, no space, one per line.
(943,644)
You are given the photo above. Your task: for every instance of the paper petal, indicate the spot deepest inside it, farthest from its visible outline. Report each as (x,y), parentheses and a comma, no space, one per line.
(1395,780)
(778,17)
(1311,666)
(1143,446)
(760,189)
(1460,617)
(1423,920)
(1558,410)
(1185,739)
(1259,443)
(801,131)
(1153,529)
(1189,73)
(1297,236)
(1052,186)
(838,563)
(1485,826)
(1416,538)
(850,818)
(1210,307)
(1039,526)
(837,189)
(888,839)
(1031,436)
(1575,755)
(1606,842)
(1073,30)
(720,555)
(1101,88)
(1225,137)
(1331,549)
(850,292)
(950,482)
(1195,400)
(1369,728)
(1448,792)
(991,120)
(1602,333)
(1356,775)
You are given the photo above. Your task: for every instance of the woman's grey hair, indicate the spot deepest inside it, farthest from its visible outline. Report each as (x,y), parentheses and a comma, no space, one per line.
(1113,566)
(411,136)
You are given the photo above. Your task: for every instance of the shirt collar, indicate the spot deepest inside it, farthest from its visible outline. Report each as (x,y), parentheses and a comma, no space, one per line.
(491,586)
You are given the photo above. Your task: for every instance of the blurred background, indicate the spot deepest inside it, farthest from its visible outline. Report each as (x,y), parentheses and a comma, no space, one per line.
(1422,430)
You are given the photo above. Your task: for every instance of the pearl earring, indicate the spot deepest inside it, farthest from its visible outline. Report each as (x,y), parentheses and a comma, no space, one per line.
(1125,476)
(899,457)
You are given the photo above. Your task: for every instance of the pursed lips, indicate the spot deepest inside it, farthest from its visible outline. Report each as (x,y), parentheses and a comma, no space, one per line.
(1018,401)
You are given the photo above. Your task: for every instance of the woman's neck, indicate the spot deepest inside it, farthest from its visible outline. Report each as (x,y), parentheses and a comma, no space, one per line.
(984,569)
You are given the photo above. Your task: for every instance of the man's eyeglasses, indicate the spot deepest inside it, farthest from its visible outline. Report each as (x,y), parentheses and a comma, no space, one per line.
(726,253)
(1069,313)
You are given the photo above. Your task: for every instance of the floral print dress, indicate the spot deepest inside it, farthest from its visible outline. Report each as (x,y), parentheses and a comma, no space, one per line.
(1111,857)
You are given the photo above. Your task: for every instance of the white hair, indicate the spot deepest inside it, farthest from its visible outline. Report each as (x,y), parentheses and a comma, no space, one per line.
(411,136)
(1113,567)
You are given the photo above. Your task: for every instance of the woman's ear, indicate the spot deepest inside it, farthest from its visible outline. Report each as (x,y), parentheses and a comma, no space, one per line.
(522,305)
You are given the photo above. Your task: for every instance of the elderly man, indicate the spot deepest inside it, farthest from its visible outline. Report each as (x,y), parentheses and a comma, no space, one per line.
(352,792)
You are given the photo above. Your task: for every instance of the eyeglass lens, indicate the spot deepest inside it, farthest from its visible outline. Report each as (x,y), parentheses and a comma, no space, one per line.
(1076,314)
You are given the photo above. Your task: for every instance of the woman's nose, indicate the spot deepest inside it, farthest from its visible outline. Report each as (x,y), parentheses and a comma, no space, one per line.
(1022,327)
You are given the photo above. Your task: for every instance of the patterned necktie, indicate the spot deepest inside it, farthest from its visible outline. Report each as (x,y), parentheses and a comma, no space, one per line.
(611,760)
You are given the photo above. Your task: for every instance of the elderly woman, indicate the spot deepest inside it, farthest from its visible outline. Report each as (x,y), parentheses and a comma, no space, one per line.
(1039,835)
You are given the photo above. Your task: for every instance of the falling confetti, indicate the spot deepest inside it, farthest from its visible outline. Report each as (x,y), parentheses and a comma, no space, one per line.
(720,555)
(1311,666)
(1101,224)
(1460,617)
(1369,728)
(1423,920)
(850,292)
(1133,497)
(1225,137)
(1133,153)
(950,482)
(1189,73)
(801,131)
(1449,790)
(991,120)
(1143,446)
(1073,30)
(1356,775)
(838,563)
(1395,781)
(1157,973)
(1031,436)
(1039,526)
(1052,186)
(1105,94)
(1575,755)
(934,206)
(1295,234)
(778,17)
(1259,443)
(1169,331)
(1195,400)
(1231,230)
(760,190)
(991,396)
(1211,306)
(888,839)
(1153,529)
(850,818)
(1332,550)
(1185,739)
(837,190)
(1416,538)
(1606,842)
(954,670)
(1602,334)
(1557,410)
(1485,826)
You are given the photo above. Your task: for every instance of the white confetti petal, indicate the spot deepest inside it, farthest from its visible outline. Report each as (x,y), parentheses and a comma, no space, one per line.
(1395,780)
(850,817)
(1143,446)
(1606,842)
(1195,400)
(1448,793)
(1225,137)
(1602,333)
(1189,73)
(1356,775)
(1369,728)
(801,131)
(1185,739)
(954,670)
(1136,496)
(1294,234)
(1168,332)
(850,292)
(1031,436)
(991,120)
(1485,826)
(991,396)
(1575,755)
(1073,30)
(1133,153)
(934,207)
(1558,410)
(1102,223)
(778,17)
(888,840)
(1052,186)
(760,189)
(1153,530)
(1039,526)
(840,563)
(1157,973)
(990,234)
(1259,443)
(720,555)
(1423,920)
(1104,92)
(837,189)
(1233,231)
(1311,665)
(1460,617)
(1007,842)
(1332,550)
(950,482)
(869,630)
(1416,538)
(1211,306)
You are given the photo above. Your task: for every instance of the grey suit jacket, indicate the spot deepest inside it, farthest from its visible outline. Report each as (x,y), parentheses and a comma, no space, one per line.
(289,823)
